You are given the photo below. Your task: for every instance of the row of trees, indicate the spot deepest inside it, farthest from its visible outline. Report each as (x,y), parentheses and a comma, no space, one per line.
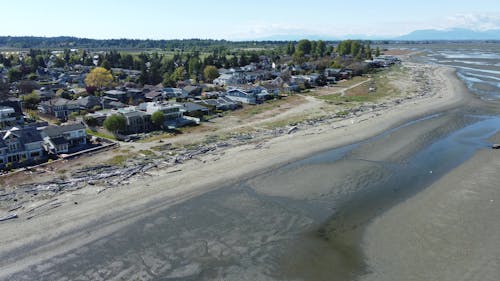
(190,45)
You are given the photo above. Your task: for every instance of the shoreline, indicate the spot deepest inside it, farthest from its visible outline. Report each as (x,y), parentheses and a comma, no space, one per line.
(448,231)
(72,225)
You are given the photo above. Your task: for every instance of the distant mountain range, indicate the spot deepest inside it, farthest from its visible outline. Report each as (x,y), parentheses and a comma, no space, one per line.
(418,35)
(451,34)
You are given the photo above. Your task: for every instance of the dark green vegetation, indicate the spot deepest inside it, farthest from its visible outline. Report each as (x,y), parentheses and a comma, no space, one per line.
(62,42)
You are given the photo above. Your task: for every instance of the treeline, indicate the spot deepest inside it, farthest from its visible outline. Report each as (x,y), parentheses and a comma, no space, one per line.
(63,42)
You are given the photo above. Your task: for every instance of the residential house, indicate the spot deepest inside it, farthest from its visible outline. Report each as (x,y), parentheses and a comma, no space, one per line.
(20,146)
(117,95)
(112,103)
(192,91)
(154,96)
(137,122)
(45,94)
(89,102)
(98,116)
(171,111)
(174,114)
(64,139)
(135,94)
(59,107)
(263,94)
(7,117)
(195,110)
(169,93)
(333,72)
(241,96)
(305,79)
(228,79)
(221,103)
(11,114)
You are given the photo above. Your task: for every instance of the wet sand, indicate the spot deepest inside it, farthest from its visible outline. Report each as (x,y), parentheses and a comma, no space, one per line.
(26,243)
(449,231)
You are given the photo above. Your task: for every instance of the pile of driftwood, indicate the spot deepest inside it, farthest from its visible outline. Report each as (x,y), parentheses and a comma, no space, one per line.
(103,176)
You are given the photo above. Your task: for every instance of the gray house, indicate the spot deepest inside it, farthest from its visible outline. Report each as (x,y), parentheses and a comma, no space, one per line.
(64,139)
(137,122)
(20,146)
(59,107)
(239,95)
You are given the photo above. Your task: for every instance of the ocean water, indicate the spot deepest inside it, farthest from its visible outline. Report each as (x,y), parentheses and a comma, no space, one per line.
(477,64)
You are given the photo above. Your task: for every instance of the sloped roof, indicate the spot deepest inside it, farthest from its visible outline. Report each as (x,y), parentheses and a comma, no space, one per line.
(25,134)
(190,106)
(55,131)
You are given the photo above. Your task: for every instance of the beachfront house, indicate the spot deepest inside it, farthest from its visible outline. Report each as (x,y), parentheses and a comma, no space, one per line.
(137,122)
(64,139)
(195,110)
(174,114)
(221,104)
(20,146)
(242,96)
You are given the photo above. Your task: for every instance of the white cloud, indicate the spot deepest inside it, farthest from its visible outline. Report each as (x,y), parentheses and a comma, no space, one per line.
(478,22)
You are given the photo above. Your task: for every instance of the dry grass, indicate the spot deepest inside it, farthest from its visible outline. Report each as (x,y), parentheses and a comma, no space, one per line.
(381,86)
(267,109)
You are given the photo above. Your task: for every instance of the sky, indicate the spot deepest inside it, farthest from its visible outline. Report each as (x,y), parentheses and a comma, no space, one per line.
(240,20)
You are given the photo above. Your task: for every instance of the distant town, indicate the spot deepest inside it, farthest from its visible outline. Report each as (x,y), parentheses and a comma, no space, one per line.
(65,102)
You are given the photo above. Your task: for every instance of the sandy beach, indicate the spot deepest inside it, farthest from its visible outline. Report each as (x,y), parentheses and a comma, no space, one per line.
(97,215)
(449,231)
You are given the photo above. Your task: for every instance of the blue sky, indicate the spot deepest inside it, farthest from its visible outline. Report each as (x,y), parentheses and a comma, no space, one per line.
(236,20)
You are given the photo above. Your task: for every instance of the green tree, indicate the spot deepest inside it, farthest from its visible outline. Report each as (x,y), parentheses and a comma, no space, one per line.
(304,46)
(210,72)
(298,57)
(158,118)
(106,64)
(179,74)
(127,61)
(369,52)
(31,101)
(344,47)
(14,74)
(194,65)
(168,81)
(99,78)
(59,62)
(320,48)
(377,52)
(290,48)
(115,123)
